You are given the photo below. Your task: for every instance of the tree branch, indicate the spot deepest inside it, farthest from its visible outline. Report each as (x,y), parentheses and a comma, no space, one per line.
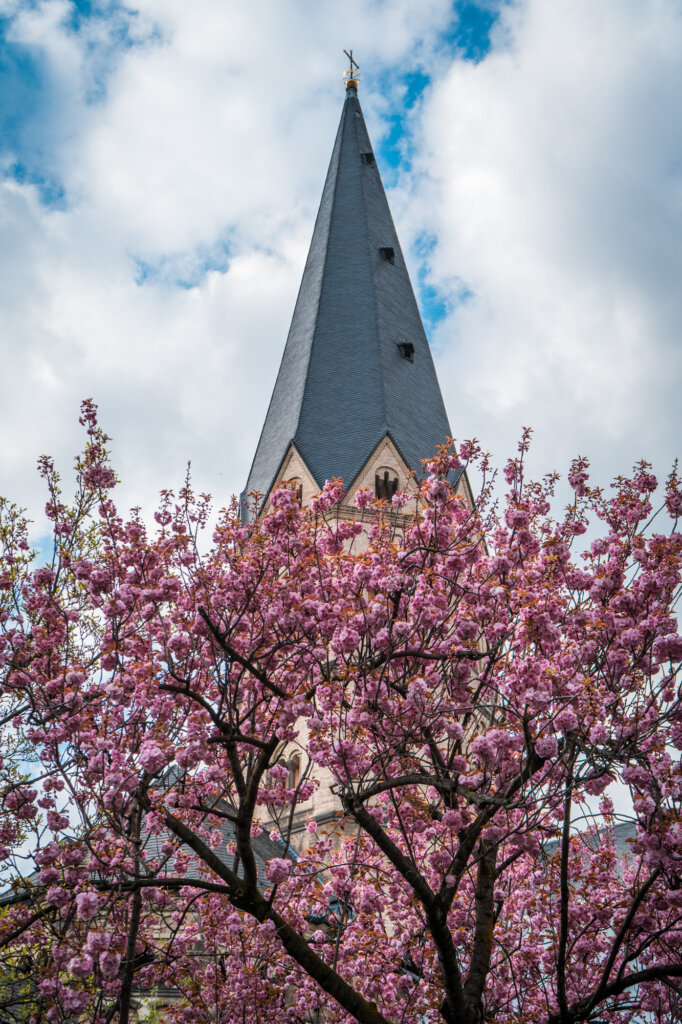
(253,903)
(434,908)
(564,896)
(483,929)
(583,1010)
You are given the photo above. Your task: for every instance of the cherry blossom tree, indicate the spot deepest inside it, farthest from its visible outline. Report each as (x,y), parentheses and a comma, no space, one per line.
(474,683)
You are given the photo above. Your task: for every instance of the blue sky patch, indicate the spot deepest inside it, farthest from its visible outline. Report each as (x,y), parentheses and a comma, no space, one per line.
(37,106)
(467,38)
(44,549)
(183,270)
(29,105)
(435,303)
(395,145)
(470,32)
(50,190)
(81,11)
(119,16)
(24,92)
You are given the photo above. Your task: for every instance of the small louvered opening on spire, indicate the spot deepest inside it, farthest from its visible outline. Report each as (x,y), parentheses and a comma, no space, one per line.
(406,349)
(367,158)
(385,484)
(388,253)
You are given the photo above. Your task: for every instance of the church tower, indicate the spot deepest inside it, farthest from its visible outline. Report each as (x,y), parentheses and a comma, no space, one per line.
(356,395)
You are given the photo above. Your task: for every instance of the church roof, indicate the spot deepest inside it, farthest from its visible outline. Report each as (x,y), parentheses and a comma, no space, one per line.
(344,381)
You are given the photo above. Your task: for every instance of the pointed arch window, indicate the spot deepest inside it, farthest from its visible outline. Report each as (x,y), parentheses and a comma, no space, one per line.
(385,483)
(294,769)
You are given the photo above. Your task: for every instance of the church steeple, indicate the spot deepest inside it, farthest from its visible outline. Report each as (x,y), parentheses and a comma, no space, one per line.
(357,365)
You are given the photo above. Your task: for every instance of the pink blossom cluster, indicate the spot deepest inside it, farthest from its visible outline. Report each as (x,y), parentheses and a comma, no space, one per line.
(467,687)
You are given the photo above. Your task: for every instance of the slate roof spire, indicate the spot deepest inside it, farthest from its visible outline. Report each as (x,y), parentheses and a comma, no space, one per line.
(357,363)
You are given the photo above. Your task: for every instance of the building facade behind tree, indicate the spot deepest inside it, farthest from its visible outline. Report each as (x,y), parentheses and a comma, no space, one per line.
(356,395)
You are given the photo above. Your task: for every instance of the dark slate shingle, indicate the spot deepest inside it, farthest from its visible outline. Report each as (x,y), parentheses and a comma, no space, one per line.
(343,383)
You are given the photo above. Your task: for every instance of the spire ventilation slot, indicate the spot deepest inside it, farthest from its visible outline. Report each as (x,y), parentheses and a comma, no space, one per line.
(388,253)
(367,158)
(406,349)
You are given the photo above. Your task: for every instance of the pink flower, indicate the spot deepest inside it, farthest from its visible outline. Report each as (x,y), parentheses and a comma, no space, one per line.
(18,799)
(99,476)
(278,870)
(546,746)
(596,785)
(673,503)
(59,897)
(97,942)
(440,861)
(152,757)
(453,819)
(437,490)
(566,720)
(347,640)
(284,498)
(364,497)
(87,905)
(43,577)
(598,734)
(74,999)
(516,518)
(510,472)
(578,476)
(311,827)
(80,966)
(668,648)
(109,964)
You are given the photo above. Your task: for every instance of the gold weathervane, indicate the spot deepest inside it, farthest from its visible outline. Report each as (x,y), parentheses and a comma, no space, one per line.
(351,77)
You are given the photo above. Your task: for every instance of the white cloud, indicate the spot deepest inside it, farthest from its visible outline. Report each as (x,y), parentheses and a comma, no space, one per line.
(553,181)
(199,143)
(196,151)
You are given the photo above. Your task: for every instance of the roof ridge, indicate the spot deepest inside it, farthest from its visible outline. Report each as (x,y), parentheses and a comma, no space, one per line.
(338,146)
(375,301)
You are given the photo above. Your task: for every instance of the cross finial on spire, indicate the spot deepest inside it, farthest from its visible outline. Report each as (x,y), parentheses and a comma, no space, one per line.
(351,76)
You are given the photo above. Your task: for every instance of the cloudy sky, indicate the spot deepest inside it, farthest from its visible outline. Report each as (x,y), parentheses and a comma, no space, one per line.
(161,163)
